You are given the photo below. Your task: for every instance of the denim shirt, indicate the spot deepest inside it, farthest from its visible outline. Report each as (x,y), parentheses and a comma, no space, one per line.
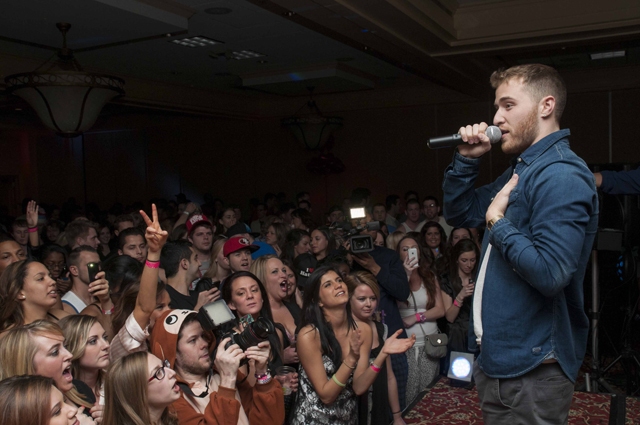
(532,302)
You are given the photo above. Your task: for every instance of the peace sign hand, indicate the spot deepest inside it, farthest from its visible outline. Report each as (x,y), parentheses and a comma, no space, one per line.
(155,236)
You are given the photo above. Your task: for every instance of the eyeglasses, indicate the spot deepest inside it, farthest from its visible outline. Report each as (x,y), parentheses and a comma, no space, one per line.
(160,373)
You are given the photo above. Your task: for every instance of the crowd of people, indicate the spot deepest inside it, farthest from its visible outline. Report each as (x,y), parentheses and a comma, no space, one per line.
(98,301)
(198,315)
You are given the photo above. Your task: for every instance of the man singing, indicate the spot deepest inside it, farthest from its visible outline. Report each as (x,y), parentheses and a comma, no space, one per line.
(541,216)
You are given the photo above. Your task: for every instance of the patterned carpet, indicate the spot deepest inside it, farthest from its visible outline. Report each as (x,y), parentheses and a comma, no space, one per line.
(448,405)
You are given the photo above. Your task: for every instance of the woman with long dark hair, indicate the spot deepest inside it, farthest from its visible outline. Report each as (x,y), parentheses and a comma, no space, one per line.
(457,288)
(322,243)
(245,295)
(334,353)
(419,314)
(27,294)
(297,243)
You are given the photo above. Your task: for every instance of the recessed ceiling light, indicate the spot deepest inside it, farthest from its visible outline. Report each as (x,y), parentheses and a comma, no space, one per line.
(196,41)
(262,61)
(608,55)
(218,11)
(246,54)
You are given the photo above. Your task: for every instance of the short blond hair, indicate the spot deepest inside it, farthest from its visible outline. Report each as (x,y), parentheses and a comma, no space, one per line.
(539,80)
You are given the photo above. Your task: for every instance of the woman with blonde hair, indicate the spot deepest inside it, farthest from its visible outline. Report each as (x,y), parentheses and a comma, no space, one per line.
(393,239)
(38,349)
(138,391)
(88,343)
(272,273)
(27,293)
(34,400)
(218,269)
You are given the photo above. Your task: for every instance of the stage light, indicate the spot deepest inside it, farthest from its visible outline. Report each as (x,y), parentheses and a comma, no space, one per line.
(460,369)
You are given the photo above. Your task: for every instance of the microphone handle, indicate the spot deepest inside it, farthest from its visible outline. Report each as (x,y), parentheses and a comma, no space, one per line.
(445,141)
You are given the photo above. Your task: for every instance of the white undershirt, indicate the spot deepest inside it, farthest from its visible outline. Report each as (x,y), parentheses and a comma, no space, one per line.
(477,297)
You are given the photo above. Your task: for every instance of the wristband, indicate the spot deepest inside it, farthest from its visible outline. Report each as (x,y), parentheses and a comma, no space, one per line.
(152,264)
(265,378)
(33,229)
(186,212)
(457,303)
(418,317)
(340,384)
(395,413)
(375,368)
(352,368)
(110,311)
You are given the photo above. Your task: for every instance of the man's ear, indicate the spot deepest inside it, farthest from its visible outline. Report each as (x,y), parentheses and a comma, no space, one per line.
(120,252)
(184,263)
(189,239)
(547,106)
(74,270)
(226,261)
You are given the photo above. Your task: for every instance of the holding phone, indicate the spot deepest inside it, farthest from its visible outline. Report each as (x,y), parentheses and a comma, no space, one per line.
(93,269)
(413,254)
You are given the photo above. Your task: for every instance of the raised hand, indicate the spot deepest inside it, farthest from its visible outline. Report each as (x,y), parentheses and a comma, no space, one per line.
(410,265)
(393,345)
(100,288)
(155,236)
(477,142)
(32,214)
(355,341)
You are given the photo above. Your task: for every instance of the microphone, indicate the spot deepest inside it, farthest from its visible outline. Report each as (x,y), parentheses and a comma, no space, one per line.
(493,133)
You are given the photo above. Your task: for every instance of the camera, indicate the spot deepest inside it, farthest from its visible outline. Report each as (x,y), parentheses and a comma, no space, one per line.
(206,284)
(253,334)
(359,243)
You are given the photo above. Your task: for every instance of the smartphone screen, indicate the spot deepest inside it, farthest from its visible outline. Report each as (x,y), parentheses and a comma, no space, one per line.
(93,269)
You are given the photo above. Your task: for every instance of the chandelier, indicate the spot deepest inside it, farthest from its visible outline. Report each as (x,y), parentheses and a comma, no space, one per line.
(309,126)
(67,99)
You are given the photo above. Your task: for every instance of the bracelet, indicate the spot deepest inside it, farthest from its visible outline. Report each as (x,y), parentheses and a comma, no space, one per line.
(33,229)
(186,212)
(457,303)
(352,368)
(395,413)
(265,378)
(375,368)
(152,264)
(340,384)
(110,311)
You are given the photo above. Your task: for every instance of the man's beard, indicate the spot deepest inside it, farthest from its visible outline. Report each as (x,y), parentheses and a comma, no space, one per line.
(523,136)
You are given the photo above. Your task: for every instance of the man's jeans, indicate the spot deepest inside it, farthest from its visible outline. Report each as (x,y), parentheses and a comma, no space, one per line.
(540,397)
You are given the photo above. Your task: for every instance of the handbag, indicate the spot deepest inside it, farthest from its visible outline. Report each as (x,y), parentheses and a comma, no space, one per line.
(435,345)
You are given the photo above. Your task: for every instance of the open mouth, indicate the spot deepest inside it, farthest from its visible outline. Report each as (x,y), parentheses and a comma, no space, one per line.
(284,286)
(66,374)
(341,293)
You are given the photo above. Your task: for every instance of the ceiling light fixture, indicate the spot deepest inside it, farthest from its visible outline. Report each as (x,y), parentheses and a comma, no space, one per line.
(197,41)
(309,126)
(608,55)
(67,99)
(246,54)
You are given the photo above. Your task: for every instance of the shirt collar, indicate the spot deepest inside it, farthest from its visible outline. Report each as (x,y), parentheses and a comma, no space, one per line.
(534,151)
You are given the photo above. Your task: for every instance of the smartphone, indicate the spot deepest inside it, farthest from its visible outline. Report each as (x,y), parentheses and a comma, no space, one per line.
(413,254)
(93,269)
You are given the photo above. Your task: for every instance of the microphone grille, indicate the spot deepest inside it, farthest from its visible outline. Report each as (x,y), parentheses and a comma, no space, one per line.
(493,133)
